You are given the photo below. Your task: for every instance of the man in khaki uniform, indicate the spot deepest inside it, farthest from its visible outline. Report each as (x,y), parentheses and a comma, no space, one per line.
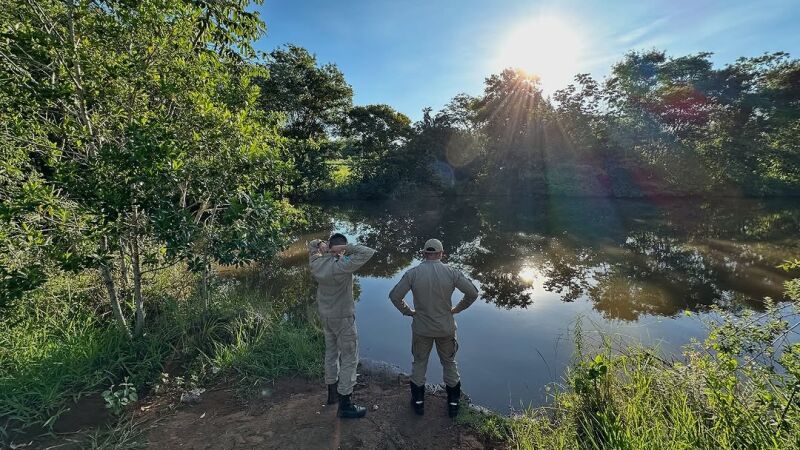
(332,265)
(432,284)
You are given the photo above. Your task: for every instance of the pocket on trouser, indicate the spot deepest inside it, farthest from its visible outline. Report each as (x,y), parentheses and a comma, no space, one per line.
(348,347)
(447,347)
(348,341)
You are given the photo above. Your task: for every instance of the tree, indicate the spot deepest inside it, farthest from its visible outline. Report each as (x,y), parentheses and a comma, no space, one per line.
(378,135)
(135,125)
(448,147)
(511,114)
(314,98)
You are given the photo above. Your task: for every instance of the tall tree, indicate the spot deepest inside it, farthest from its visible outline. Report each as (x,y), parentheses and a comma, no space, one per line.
(137,121)
(378,135)
(511,113)
(314,100)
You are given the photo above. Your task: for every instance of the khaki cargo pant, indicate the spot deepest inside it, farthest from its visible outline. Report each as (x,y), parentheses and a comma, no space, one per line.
(446,347)
(341,353)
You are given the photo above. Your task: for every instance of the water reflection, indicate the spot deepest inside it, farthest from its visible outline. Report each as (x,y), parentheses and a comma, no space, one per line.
(624,268)
(628,258)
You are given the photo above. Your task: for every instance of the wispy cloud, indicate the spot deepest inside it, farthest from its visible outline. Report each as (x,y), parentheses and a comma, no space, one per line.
(634,36)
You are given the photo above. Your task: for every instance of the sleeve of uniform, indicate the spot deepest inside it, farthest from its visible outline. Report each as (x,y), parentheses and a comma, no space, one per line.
(357,256)
(313,250)
(470,291)
(398,293)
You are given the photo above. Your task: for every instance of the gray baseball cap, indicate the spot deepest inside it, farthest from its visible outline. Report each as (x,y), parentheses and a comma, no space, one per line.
(433,246)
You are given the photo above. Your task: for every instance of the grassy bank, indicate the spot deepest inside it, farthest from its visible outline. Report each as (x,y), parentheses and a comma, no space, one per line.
(60,344)
(739,389)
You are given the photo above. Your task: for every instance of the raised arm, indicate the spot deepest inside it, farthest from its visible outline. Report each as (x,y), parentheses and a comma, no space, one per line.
(314,250)
(470,292)
(355,256)
(398,293)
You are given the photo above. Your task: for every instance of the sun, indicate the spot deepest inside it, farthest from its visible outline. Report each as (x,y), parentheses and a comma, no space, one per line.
(527,275)
(549,46)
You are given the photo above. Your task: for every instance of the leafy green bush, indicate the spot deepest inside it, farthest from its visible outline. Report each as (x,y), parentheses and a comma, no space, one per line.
(118,399)
(740,388)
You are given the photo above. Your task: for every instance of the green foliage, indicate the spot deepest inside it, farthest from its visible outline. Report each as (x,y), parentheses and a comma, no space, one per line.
(59,345)
(738,389)
(657,125)
(511,114)
(123,435)
(313,98)
(487,424)
(263,350)
(119,399)
(133,141)
(314,101)
(792,286)
(377,136)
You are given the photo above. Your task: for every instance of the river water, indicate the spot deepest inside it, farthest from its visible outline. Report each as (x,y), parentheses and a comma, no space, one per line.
(631,270)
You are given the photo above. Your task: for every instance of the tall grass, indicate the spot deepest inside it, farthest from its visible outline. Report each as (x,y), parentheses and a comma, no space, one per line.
(60,344)
(736,390)
(57,346)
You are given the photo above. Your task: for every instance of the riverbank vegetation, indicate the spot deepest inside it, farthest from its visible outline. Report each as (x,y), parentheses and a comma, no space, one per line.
(737,389)
(62,344)
(145,144)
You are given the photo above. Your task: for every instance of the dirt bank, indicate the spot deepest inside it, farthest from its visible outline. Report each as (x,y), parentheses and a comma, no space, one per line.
(290,414)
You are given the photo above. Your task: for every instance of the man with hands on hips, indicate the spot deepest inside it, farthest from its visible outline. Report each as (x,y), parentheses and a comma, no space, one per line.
(432,284)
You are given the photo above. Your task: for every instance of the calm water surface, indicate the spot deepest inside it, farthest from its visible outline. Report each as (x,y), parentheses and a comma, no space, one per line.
(639,271)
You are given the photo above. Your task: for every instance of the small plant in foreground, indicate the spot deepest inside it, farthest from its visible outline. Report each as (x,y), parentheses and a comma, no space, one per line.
(118,399)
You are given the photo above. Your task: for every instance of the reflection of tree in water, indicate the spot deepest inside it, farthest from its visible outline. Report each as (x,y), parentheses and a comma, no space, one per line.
(395,246)
(399,233)
(628,258)
(567,270)
(656,275)
(495,259)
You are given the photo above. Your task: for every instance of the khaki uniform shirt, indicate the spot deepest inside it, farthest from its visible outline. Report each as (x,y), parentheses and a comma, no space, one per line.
(334,277)
(432,284)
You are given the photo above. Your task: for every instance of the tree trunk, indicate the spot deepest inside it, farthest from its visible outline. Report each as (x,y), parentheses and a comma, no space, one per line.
(204,288)
(124,281)
(137,276)
(77,74)
(116,309)
(137,286)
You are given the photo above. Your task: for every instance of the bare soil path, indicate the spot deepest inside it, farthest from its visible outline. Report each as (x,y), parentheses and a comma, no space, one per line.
(291,415)
(286,414)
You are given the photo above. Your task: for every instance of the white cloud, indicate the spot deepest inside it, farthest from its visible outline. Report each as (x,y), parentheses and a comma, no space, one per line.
(634,36)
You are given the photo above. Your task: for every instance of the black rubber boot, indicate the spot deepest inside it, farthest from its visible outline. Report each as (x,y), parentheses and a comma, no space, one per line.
(453,396)
(417,398)
(333,396)
(348,410)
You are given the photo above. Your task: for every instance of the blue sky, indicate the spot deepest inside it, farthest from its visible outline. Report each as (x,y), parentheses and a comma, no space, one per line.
(412,54)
